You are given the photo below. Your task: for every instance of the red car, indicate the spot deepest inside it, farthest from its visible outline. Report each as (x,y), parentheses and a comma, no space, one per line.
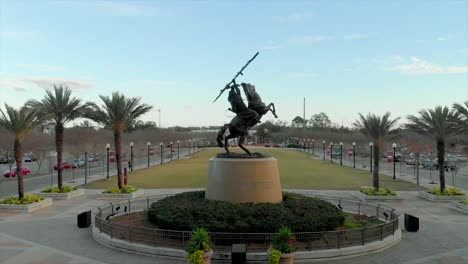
(12,173)
(65,166)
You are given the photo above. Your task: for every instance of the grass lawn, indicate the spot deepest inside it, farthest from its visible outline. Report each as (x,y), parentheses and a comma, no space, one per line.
(296,171)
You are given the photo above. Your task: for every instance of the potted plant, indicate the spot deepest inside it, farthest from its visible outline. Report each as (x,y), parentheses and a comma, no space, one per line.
(282,248)
(198,249)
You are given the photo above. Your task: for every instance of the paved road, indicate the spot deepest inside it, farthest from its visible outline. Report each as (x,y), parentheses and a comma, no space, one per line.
(34,181)
(401,169)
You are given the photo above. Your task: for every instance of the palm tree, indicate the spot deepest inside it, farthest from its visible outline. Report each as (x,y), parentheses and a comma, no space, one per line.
(439,123)
(463,112)
(59,107)
(377,129)
(117,113)
(19,122)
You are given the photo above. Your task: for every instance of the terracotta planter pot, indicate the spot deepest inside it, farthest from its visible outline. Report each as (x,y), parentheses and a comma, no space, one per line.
(287,258)
(207,256)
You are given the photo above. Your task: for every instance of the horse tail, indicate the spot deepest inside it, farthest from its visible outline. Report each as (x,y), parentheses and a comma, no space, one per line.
(220,137)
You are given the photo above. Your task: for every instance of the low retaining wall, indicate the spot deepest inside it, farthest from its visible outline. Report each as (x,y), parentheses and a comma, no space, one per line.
(460,207)
(257,257)
(20,208)
(132,195)
(63,196)
(440,199)
(372,198)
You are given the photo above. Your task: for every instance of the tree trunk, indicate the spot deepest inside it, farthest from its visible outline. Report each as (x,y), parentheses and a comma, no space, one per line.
(440,162)
(59,148)
(118,154)
(375,170)
(19,171)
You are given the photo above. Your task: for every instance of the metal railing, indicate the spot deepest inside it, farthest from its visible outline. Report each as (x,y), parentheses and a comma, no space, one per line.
(222,242)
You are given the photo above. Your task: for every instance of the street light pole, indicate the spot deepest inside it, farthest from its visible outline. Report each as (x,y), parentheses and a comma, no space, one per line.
(331,152)
(370,158)
(341,153)
(394,148)
(131,156)
(313,147)
(323,150)
(171,151)
(354,154)
(308,146)
(148,144)
(178,149)
(189,143)
(161,145)
(107,148)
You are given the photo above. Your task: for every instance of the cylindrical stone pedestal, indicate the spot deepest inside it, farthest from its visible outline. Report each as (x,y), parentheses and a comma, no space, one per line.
(238,180)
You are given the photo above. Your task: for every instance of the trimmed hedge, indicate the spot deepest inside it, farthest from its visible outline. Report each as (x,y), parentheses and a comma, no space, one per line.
(190,210)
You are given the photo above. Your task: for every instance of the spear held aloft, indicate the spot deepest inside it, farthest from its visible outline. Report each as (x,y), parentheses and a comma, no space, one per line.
(233,81)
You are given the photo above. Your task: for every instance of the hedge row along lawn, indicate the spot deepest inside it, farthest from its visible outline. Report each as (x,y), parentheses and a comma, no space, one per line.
(297,171)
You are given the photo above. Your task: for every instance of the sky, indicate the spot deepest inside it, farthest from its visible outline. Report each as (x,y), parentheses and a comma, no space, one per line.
(343,57)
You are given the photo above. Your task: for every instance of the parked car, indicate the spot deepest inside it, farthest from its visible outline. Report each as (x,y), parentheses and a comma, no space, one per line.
(29,158)
(5,160)
(92,158)
(78,163)
(12,173)
(426,163)
(410,161)
(65,166)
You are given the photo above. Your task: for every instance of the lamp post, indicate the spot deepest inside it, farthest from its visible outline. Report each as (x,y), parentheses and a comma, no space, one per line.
(354,154)
(323,150)
(148,144)
(331,152)
(308,146)
(313,147)
(370,158)
(161,145)
(131,156)
(341,153)
(107,148)
(171,151)
(178,149)
(394,148)
(189,142)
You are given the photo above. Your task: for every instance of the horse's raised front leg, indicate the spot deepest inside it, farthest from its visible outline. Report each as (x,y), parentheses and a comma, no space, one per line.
(271,107)
(226,144)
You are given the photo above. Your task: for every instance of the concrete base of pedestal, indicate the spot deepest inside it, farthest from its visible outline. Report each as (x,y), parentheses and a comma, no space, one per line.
(244,180)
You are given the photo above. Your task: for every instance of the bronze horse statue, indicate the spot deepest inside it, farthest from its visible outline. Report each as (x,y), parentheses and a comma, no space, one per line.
(246,116)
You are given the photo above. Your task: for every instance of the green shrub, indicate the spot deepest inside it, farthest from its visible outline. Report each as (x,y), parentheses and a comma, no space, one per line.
(451,191)
(125,189)
(55,189)
(28,199)
(465,202)
(274,256)
(199,243)
(381,192)
(189,210)
(283,241)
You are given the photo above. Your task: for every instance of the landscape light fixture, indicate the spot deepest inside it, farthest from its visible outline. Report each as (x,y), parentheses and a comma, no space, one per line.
(171,151)
(394,149)
(341,153)
(131,156)
(161,145)
(323,150)
(148,144)
(370,158)
(331,152)
(178,148)
(354,154)
(107,148)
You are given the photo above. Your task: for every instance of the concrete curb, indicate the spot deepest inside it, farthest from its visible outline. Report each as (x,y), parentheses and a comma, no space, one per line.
(460,207)
(132,195)
(19,208)
(63,196)
(439,199)
(257,257)
(370,198)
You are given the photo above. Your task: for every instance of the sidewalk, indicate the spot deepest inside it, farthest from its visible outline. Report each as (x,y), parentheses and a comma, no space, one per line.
(50,235)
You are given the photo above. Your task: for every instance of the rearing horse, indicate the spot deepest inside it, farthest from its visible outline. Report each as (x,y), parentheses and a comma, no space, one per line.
(245,118)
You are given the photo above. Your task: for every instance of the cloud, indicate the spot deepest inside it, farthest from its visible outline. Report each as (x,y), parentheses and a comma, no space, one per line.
(389,60)
(36,67)
(354,36)
(309,39)
(417,66)
(22,83)
(300,75)
(119,8)
(19,89)
(294,17)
